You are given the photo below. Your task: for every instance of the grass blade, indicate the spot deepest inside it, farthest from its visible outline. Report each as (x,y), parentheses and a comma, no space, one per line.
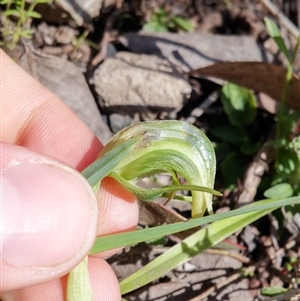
(191,246)
(133,237)
(105,164)
(276,35)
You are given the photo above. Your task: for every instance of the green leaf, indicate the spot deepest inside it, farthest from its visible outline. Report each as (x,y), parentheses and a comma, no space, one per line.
(288,161)
(183,24)
(223,150)
(228,133)
(11,12)
(27,33)
(78,285)
(288,121)
(154,26)
(113,241)
(278,143)
(189,247)
(239,104)
(109,159)
(276,35)
(232,169)
(249,147)
(158,23)
(279,191)
(273,291)
(33,14)
(160,12)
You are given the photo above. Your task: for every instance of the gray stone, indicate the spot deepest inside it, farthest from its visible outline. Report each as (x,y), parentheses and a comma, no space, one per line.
(118,122)
(132,83)
(81,10)
(194,50)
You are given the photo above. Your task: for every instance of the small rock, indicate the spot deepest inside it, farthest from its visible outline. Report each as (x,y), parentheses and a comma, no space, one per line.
(139,83)
(117,122)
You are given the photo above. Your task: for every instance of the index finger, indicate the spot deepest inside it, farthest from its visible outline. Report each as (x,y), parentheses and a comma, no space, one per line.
(32,116)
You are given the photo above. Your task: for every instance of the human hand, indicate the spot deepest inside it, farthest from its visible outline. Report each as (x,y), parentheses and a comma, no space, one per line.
(50,216)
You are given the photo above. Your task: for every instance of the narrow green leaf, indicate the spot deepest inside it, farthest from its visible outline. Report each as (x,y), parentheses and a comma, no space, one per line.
(33,14)
(11,12)
(78,285)
(27,33)
(275,34)
(155,26)
(109,159)
(184,24)
(273,291)
(113,241)
(189,247)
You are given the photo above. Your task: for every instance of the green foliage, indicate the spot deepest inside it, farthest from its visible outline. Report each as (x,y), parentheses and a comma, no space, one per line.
(117,240)
(239,104)
(80,40)
(287,162)
(273,291)
(236,146)
(282,190)
(289,265)
(189,247)
(274,33)
(162,22)
(17,21)
(232,168)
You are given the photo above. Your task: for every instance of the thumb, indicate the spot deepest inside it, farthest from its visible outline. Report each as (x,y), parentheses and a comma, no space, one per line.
(49,218)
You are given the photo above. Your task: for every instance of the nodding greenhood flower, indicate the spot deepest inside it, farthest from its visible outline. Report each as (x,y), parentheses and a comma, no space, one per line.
(169,146)
(145,149)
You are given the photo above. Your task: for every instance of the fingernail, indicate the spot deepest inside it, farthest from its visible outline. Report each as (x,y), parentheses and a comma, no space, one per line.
(48,215)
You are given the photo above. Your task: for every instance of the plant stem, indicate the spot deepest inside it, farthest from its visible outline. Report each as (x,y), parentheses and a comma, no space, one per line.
(288,79)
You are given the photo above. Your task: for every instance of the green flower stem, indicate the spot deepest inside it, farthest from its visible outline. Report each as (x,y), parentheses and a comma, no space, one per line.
(79,285)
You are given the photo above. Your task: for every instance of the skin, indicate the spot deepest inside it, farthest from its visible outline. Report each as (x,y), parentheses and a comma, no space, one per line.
(33,117)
